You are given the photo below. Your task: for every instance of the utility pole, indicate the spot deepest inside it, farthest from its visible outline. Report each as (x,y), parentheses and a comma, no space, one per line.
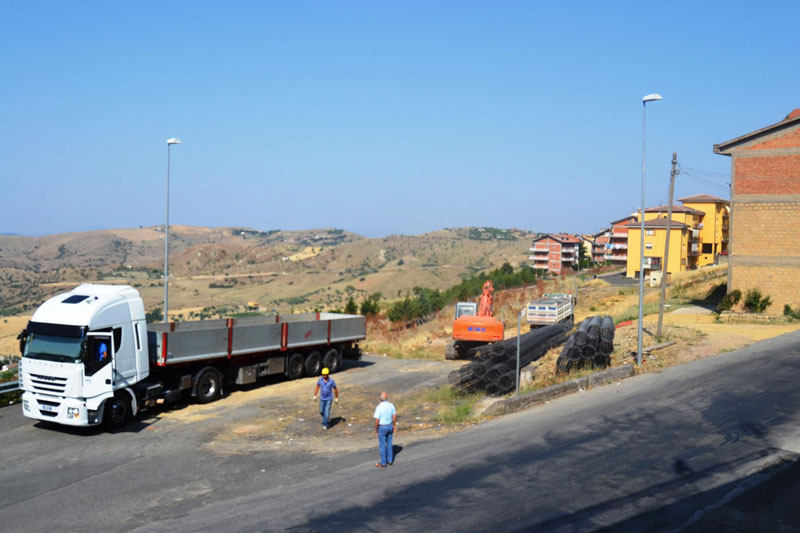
(672,174)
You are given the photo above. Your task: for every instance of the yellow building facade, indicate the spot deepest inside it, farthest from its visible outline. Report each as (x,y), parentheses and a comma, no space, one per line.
(698,234)
(714,226)
(655,238)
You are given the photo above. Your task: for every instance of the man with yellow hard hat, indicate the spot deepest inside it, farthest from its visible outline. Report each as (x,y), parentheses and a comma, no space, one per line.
(328,392)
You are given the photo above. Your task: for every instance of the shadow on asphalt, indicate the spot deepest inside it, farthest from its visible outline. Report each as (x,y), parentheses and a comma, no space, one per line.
(396,449)
(349,363)
(134,426)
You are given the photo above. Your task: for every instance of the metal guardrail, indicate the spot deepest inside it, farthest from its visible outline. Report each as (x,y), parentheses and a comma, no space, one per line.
(11,386)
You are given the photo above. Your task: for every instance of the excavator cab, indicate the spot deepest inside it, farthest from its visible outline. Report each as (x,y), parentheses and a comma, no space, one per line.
(465,309)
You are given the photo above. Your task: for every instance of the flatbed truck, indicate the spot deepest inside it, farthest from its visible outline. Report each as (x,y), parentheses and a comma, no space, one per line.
(89,356)
(550,309)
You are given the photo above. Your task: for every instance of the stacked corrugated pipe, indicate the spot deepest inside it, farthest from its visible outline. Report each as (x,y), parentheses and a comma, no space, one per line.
(590,346)
(493,366)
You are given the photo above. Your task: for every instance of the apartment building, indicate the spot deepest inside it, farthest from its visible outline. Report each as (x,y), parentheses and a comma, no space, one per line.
(714,226)
(556,253)
(599,245)
(698,234)
(616,245)
(764,248)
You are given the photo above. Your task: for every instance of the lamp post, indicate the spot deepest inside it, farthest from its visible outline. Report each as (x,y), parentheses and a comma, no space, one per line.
(648,98)
(170,142)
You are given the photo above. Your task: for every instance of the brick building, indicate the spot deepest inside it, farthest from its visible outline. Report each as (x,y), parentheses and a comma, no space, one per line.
(616,252)
(764,249)
(555,253)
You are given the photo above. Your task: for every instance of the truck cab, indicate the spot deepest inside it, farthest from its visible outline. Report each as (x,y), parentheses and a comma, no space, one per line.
(81,351)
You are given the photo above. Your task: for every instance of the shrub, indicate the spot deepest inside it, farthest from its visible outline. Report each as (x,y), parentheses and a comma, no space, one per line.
(729,300)
(791,313)
(755,302)
(154,315)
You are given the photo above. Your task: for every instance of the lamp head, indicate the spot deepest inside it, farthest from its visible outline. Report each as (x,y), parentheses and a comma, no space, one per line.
(174,140)
(651,98)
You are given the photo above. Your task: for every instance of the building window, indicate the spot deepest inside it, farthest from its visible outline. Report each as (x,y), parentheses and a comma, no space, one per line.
(649,232)
(648,246)
(708,248)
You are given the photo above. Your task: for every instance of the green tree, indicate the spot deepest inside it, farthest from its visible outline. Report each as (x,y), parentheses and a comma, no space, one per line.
(351,308)
(370,305)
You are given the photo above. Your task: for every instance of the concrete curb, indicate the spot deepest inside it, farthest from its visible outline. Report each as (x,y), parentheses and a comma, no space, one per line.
(502,406)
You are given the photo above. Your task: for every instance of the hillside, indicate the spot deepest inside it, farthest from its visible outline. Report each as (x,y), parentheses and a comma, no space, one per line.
(228,267)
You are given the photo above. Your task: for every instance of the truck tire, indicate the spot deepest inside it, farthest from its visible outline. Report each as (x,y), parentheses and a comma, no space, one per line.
(208,386)
(331,361)
(294,366)
(116,411)
(313,364)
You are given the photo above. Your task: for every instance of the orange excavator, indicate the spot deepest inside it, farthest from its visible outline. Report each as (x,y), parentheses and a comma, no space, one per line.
(474,325)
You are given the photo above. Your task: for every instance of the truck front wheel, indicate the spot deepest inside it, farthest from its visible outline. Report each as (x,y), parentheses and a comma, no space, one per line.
(208,387)
(116,411)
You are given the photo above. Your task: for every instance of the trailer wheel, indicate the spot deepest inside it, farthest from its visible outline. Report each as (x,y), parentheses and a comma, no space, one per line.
(116,411)
(313,364)
(294,367)
(208,387)
(331,360)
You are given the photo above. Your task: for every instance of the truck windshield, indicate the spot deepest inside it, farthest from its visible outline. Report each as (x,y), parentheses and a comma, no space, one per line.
(52,348)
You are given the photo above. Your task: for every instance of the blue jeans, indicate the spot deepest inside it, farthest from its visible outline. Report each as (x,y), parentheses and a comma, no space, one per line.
(325,411)
(385,443)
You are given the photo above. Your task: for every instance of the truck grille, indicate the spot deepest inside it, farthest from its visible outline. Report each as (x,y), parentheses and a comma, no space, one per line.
(48,408)
(48,384)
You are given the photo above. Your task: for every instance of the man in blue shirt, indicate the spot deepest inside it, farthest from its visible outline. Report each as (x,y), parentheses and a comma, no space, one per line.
(385,426)
(102,352)
(327,390)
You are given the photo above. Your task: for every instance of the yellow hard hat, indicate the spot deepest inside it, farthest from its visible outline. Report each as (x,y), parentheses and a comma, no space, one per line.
(325,371)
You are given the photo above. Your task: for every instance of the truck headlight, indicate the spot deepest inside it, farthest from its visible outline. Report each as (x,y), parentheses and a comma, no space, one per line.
(73,412)
(25,405)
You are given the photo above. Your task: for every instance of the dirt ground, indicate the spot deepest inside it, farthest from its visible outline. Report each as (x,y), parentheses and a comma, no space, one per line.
(281,414)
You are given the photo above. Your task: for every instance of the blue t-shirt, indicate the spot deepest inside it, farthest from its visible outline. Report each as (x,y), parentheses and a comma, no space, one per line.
(384,413)
(326,388)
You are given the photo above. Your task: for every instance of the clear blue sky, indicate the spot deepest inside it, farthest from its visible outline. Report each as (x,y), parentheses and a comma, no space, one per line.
(375,117)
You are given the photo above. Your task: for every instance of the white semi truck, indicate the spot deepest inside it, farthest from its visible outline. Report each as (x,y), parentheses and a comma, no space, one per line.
(89,356)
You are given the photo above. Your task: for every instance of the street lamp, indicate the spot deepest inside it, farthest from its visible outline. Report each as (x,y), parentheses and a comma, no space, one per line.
(649,98)
(170,142)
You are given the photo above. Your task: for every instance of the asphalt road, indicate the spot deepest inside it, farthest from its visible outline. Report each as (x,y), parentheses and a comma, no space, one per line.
(689,448)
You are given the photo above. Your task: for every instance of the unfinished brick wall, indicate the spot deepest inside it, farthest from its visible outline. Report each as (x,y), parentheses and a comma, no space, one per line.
(765,226)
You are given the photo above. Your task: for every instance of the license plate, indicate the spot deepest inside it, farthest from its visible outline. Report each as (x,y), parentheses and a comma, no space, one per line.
(47,408)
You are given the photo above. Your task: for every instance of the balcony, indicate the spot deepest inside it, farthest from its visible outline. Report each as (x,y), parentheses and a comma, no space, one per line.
(694,249)
(609,257)
(652,263)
